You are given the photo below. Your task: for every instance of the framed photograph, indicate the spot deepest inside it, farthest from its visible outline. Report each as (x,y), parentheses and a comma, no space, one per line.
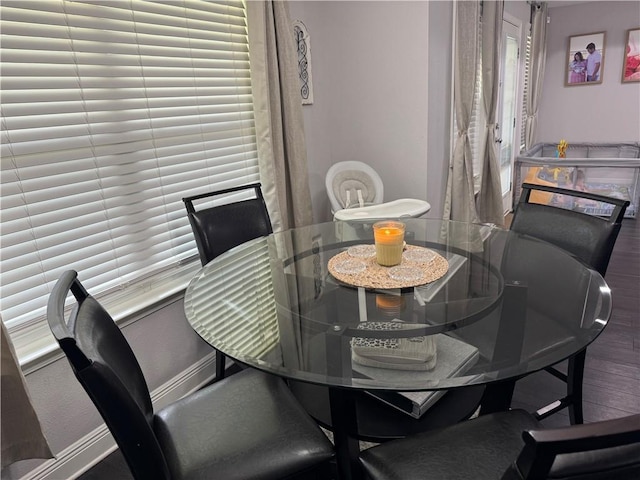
(585,59)
(631,63)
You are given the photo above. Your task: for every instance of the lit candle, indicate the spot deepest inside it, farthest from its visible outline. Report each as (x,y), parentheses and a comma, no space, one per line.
(389,235)
(389,240)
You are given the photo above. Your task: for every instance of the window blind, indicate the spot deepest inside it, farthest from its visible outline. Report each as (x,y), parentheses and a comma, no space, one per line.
(527,74)
(111,113)
(477,122)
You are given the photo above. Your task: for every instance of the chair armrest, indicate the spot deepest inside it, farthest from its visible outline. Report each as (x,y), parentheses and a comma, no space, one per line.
(589,436)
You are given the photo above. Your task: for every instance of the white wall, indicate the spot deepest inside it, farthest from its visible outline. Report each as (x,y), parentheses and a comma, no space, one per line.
(369,64)
(606,112)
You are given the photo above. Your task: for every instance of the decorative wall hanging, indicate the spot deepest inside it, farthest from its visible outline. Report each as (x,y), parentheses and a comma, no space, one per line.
(585,59)
(631,63)
(303,43)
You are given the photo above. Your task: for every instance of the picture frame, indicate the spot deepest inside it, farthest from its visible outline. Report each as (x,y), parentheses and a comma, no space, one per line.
(631,59)
(585,66)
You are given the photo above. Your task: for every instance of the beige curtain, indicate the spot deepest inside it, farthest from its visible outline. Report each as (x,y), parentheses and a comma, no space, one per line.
(282,151)
(539,14)
(22,436)
(459,199)
(490,208)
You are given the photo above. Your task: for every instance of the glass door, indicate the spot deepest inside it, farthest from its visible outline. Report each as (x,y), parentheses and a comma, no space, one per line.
(508,138)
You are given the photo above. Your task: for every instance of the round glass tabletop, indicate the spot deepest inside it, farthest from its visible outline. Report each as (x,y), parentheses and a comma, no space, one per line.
(506,306)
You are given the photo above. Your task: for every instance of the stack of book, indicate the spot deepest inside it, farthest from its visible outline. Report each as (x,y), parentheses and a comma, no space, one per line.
(420,363)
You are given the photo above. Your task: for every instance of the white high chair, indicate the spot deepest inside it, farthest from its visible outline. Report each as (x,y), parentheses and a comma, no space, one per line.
(356,192)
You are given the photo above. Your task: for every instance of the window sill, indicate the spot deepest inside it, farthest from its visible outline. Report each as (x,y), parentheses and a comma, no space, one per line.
(36,347)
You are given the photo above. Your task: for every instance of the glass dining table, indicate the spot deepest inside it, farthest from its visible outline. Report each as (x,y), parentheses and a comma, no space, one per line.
(469,305)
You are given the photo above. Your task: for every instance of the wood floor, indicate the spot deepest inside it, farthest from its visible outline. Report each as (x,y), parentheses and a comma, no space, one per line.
(612,373)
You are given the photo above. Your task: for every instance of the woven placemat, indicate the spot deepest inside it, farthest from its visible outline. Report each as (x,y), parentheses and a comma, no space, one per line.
(377,276)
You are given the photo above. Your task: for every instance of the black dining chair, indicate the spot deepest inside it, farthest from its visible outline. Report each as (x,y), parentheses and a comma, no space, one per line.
(248,426)
(511,445)
(221,227)
(563,222)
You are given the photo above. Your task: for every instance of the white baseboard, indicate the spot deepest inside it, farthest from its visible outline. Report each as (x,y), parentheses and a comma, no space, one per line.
(96,445)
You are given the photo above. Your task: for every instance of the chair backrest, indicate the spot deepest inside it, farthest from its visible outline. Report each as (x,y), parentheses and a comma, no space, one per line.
(353,184)
(602,450)
(590,238)
(107,368)
(221,227)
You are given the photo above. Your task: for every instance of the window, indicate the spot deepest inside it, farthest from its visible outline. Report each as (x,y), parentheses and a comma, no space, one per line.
(111,113)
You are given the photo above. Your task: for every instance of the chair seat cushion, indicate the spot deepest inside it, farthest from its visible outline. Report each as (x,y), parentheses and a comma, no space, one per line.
(206,435)
(490,444)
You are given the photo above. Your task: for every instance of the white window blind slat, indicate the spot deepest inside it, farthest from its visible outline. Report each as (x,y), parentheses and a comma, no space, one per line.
(45,13)
(112,113)
(29,138)
(33,110)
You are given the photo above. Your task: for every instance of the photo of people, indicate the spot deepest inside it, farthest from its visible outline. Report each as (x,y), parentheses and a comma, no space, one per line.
(585,59)
(594,61)
(578,69)
(631,66)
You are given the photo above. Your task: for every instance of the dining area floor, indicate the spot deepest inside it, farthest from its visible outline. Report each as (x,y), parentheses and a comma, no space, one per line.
(612,372)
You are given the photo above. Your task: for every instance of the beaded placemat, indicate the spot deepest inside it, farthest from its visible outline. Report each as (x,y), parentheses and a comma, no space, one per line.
(419,266)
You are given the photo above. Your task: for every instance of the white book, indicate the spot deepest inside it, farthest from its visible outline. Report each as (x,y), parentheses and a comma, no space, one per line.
(454,358)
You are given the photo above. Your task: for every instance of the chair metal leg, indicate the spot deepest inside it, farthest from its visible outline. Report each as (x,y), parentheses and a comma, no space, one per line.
(220,361)
(575,375)
(573,400)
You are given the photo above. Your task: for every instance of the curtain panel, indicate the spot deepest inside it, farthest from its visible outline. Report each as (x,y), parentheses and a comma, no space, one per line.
(22,436)
(539,13)
(489,202)
(282,155)
(459,198)
(282,151)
